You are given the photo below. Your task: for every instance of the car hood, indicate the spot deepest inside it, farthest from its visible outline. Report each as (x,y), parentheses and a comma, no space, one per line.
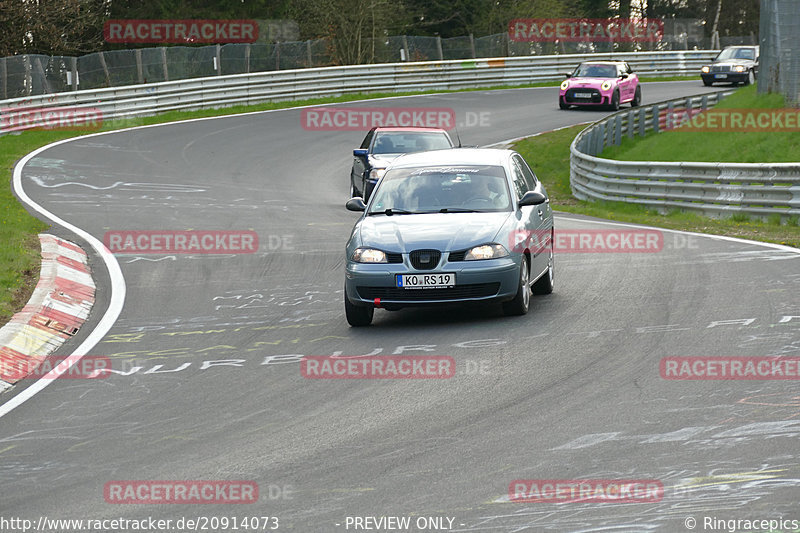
(382,160)
(589,82)
(440,231)
(733,62)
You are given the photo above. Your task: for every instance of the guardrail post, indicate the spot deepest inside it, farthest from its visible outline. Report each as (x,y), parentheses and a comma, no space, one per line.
(139,71)
(618,130)
(164,63)
(405,49)
(631,127)
(247,58)
(656,112)
(642,121)
(218,59)
(600,141)
(439,48)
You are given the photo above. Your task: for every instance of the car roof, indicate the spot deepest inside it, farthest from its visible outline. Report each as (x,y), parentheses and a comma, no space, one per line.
(454,156)
(407,129)
(603,62)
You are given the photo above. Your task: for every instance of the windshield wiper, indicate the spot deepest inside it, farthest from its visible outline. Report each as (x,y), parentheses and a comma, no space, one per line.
(459,210)
(390,211)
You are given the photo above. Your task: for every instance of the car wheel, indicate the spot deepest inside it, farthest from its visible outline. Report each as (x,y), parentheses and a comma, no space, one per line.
(708,83)
(521,302)
(357,316)
(544,285)
(637,97)
(751,78)
(562,105)
(615,101)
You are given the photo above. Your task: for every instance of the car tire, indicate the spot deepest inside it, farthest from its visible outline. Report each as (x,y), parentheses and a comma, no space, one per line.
(637,97)
(708,83)
(562,105)
(357,316)
(615,101)
(522,300)
(751,78)
(545,284)
(353,191)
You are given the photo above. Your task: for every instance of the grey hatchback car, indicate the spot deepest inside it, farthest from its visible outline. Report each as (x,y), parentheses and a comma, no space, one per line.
(450,226)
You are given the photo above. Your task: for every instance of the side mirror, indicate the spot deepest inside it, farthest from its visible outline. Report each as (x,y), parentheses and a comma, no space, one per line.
(360,152)
(623,75)
(355,204)
(567,75)
(529,198)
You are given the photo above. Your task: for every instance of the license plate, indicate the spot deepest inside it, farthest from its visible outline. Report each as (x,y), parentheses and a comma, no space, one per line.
(425,281)
(720,76)
(582,95)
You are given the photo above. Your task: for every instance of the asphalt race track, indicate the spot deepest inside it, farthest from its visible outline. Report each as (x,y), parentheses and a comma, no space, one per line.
(207,351)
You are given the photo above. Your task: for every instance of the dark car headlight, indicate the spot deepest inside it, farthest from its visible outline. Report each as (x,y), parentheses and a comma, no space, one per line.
(369,255)
(485,251)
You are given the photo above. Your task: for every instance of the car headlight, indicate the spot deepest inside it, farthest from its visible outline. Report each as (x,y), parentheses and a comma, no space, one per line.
(739,68)
(564,85)
(705,70)
(606,85)
(369,255)
(485,251)
(377,173)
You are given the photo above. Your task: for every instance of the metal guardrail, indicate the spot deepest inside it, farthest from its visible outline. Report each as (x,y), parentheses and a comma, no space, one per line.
(271,86)
(712,189)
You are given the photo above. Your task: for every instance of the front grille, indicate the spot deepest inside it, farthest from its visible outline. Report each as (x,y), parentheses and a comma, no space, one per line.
(425,259)
(595,99)
(721,68)
(394,258)
(459,292)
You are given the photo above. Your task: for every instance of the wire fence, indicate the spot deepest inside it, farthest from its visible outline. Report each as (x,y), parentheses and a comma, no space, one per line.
(30,75)
(779,66)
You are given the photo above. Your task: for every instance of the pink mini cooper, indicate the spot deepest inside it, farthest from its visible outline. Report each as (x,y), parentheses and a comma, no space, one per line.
(601,83)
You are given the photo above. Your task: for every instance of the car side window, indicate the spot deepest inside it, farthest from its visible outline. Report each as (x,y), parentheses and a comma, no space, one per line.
(527,173)
(520,183)
(367,140)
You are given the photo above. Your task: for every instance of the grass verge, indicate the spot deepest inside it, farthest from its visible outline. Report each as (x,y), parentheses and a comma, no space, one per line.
(548,156)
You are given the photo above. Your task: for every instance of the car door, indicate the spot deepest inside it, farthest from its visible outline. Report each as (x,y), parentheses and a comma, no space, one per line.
(626,87)
(360,164)
(535,220)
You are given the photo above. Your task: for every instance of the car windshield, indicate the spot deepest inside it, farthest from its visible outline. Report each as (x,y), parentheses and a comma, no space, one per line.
(442,189)
(595,71)
(391,142)
(737,53)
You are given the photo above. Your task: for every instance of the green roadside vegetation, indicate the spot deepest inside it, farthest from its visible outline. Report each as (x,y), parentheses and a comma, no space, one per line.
(548,155)
(19,246)
(683,144)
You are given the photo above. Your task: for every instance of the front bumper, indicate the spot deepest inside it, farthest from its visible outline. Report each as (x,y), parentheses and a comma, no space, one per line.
(491,280)
(730,77)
